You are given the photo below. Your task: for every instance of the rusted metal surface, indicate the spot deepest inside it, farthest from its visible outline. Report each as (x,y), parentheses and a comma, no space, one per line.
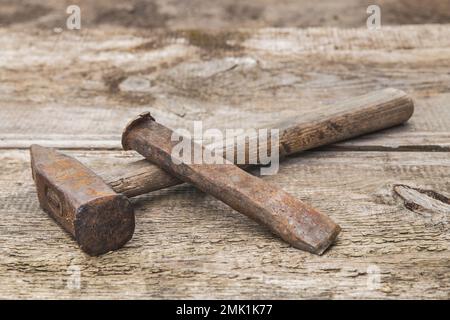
(99,219)
(294,221)
(68,191)
(343,120)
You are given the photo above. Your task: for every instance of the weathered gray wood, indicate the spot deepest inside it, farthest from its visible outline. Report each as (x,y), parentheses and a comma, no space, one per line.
(78,90)
(189,245)
(427,202)
(225,79)
(207,14)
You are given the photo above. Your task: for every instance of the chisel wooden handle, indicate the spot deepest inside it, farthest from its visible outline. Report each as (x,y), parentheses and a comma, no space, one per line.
(294,221)
(356,116)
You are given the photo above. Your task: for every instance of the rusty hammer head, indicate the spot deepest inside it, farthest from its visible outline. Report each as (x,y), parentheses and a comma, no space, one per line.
(99,219)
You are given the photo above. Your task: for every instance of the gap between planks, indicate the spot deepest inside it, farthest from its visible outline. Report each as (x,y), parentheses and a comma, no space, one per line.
(379,141)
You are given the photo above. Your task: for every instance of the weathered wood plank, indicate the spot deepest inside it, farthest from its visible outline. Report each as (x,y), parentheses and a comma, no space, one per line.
(205,14)
(393,139)
(189,245)
(79,89)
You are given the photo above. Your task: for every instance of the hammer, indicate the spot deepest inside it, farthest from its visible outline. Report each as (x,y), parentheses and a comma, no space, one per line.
(100,217)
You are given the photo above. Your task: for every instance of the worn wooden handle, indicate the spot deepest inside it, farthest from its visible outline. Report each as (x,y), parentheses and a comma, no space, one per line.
(356,116)
(294,221)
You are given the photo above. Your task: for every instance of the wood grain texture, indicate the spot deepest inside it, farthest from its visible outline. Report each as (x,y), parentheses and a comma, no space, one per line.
(189,245)
(345,119)
(77,91)
(225,79)
(294,221)
(207,14)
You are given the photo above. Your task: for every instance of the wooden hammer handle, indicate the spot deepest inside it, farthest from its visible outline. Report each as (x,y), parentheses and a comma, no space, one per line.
(356,116)
(294,221)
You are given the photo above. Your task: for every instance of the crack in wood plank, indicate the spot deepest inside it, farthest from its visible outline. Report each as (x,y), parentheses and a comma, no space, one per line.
(425,202)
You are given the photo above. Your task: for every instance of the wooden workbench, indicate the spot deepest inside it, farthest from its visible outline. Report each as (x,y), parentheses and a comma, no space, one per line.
(389,191)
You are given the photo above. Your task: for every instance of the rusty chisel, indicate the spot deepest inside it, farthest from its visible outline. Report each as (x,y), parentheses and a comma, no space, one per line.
(101,219)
